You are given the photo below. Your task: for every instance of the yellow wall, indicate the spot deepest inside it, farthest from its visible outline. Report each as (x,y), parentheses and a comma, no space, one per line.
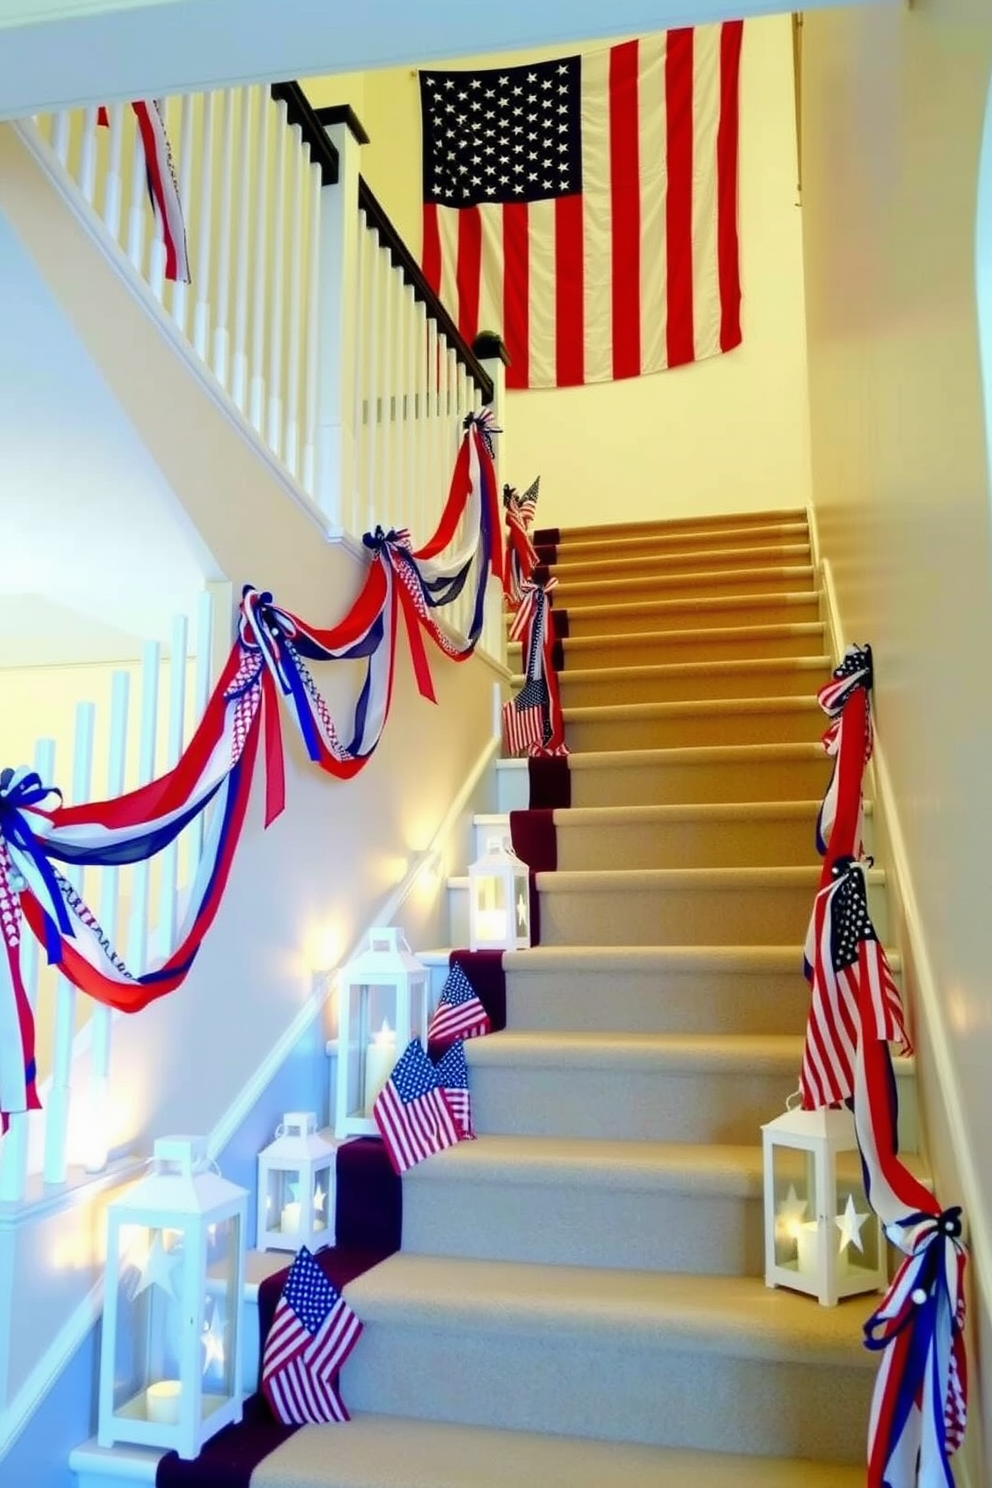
(726,434)
(895,98)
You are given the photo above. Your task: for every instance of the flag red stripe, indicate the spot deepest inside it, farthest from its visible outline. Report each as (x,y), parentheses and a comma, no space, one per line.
(469,272)
(431,251)
(569,291)
(678,206)
(625,202)
(727,143)
(516,292)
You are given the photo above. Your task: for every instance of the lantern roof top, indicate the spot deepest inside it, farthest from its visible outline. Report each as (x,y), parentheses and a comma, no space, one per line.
(387,954)
(298,1140)
(830,1125)
(499,854)
(182,1182)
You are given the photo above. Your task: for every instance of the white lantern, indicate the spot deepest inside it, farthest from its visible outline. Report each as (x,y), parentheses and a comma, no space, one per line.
(170,1362)
(821,1235)
(499,899)
(296,1186)
(382,1005)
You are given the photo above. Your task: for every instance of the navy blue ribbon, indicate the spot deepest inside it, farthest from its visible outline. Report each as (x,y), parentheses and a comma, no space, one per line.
(17,796)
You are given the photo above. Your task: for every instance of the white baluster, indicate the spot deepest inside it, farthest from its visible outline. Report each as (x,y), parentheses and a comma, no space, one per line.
(422,506)
(239,370)
(202,676)
(87,158)
(358,383)
(14,1147)
(297,331)
(387,504)
(312,389)
(204,234)
(97,1137)
(277,295)
(260,238)
(187,125)
(373,381)
(405,491)
(63,135)
(114,183)
(137,941)
(222,332)
(57,1121)
(137,205)
(337,331)
(168,905)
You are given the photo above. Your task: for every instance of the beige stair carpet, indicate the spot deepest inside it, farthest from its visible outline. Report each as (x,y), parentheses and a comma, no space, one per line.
(579,1299)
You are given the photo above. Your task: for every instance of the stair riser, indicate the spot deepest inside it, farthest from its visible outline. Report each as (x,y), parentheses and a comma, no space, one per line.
(616,1390)
(704,843)
(688,730)
(610,620)
(681,783)
(618,1103)
(677,915)
(786,579)
(601,688)
(641,1002)
(636,545)
(715,560)
(711,1235)
(712,645)
(739,522)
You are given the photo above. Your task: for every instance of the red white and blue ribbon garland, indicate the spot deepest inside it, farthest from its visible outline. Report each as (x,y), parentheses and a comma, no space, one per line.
(163,188)
(267,664)
(919,1407)
(532,627)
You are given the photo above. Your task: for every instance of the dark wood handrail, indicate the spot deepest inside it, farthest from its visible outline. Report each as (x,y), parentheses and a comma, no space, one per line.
(299,110)
(412,273)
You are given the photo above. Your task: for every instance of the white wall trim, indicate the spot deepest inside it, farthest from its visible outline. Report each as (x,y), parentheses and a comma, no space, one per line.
(240,1108)
(46,1371)
(93,225)
(835,626)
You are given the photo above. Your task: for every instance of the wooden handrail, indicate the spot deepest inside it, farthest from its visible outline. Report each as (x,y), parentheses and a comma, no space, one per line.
(299,110)
(408,266)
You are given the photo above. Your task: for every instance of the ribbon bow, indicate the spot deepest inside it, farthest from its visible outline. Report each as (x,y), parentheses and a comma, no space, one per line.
(22,795)
(396,537)
(856,670)
(485,424)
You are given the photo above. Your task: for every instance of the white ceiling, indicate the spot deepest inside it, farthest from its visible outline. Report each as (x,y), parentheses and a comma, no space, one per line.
(94,556)
(60,52)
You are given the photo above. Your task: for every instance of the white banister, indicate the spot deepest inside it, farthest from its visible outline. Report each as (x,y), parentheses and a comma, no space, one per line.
(221,346)
(187,125)
(114,184)
(295,354)
(137,943)
(204,229)
(282,139)
(250,99)
(260,239)
(175,721)
(57,1120)
(314,211)
(337,329)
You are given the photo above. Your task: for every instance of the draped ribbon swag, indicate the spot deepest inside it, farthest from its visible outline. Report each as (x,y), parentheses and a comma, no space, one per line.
(267,666)
(521,557)
(533,719)
(919,1408)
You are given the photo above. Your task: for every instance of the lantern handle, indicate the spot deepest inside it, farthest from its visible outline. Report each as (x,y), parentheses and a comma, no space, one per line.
(795,1100)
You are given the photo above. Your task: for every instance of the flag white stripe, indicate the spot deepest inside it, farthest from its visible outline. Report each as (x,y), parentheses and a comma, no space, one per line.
(653,137)
(597,217)
(493,272)
(447,227)
(706,308)
(543,316)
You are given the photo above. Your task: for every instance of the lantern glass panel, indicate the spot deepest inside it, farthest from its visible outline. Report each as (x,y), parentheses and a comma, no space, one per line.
(149,1322)
(491,909)
(372,1048)
(284,1200)
(794,1189)
(220,1313)
(856,1233)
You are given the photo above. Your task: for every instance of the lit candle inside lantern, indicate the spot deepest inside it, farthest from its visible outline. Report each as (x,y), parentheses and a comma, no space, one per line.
(290,1219)
(809,1255)
(491,924)
(380,1058)
(162,1402)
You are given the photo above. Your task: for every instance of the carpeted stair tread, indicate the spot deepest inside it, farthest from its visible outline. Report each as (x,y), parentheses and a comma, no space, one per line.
(716,605)
(393,1452)
(624,959)
(804,632)
(688,671)
(713,521)
(642,1052)
(737,581)
(660,540)
(732,1315)
(682,811)
(608,880)
(677,1167)
(697,707)
(691,754)
(751,556)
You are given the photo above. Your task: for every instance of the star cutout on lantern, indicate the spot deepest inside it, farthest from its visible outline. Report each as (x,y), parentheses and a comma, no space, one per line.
(156,1269)
(521,913)
(213,1345)
(319,1200)
(789,1215)
(850,1224)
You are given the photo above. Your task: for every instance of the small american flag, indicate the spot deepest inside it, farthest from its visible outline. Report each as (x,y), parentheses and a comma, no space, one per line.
(527,503)
(452,1075)
(412,1111)
(524,717)
(843,956)
(459,1013)
(854,671)
(313,1332)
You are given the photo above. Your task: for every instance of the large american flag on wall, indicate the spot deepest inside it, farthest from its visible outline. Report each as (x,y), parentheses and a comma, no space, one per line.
(586,207)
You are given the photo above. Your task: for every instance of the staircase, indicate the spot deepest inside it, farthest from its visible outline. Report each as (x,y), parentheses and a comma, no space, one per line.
(579,1298)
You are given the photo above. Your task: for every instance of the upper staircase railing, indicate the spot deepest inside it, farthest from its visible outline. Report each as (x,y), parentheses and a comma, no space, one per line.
(303,301)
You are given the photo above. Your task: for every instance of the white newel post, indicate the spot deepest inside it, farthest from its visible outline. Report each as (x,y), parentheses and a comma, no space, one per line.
(338,326)
(492,355)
